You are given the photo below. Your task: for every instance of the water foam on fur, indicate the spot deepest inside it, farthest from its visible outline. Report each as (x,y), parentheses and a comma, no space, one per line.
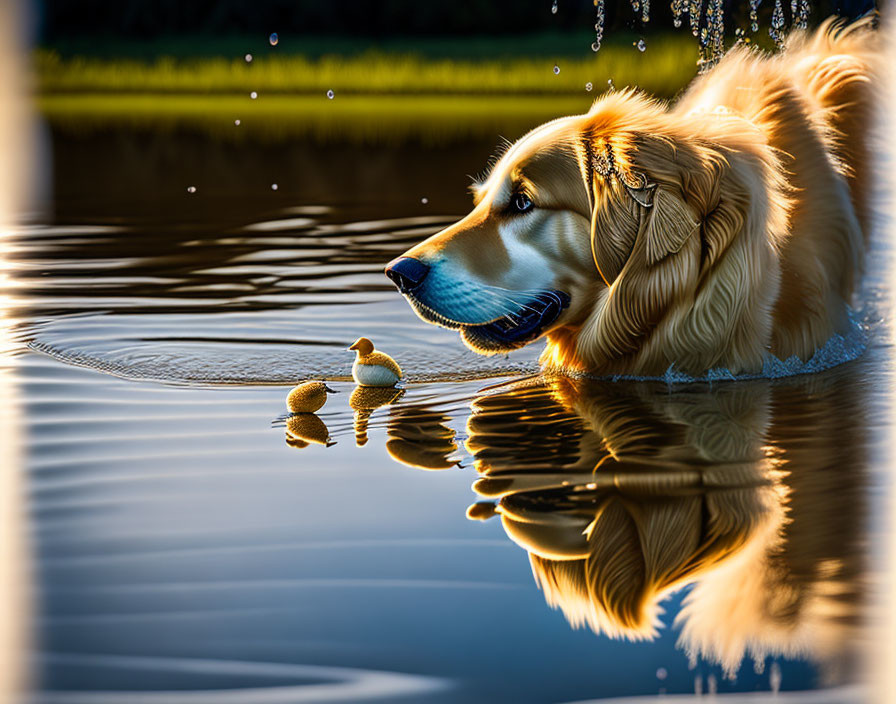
(838,350)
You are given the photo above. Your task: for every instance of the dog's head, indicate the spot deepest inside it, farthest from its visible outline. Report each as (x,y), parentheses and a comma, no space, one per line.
(604,232)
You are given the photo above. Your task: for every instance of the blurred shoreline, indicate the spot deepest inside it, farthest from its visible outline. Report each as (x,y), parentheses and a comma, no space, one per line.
(666,64)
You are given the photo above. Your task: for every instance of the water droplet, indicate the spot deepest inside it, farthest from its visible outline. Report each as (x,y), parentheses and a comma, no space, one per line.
(642,45)
(274,186)
(424,200)
(236,122)
(712,685)
(598,24)
(191,189)
(554,7)
(274,39)
(698,686)
(588,86)
(662,673)
(248,58)
(556,69)
(776,30)
(677,22)
(610,84)
(331,94)
(253,95)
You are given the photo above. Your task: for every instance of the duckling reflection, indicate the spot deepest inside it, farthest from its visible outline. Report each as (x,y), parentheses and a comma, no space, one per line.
(303,429)
(364,401)
(622,493)
(420,438)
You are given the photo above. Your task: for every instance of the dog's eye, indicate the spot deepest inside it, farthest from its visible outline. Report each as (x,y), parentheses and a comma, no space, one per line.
(520,203)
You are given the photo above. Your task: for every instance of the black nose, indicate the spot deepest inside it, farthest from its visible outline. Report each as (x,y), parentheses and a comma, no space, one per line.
(407,273)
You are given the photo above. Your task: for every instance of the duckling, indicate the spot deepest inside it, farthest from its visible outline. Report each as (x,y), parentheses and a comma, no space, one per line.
(372,368)
(308,397)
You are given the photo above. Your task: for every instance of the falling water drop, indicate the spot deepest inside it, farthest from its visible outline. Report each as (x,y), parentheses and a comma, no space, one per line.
(424,200)
(331,94)
(645,11)
(662,673)
(610,84)
(754,15)
(677,10)
(253,95)
(642,45)
(712,686)
(236,122)
(776,31)
(695,10)
(802,19)
(598,25)
(274,186)
(698,686)
(191,189)
(588,86)
(248,58)
(556,69)
(274,39)
(554,7)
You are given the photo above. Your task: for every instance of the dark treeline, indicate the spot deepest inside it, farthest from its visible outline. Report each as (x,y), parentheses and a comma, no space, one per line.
(150,19)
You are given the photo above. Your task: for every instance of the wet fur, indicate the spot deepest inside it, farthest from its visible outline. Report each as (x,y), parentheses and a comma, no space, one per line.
(753,244)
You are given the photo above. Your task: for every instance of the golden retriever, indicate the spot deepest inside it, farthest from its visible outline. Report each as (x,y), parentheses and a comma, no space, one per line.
(639,236)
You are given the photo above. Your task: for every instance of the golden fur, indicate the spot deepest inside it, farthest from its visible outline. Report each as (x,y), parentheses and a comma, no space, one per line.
(751,241)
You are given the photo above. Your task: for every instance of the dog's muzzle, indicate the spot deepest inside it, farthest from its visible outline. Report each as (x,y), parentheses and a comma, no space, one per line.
(524,327)
(407,273)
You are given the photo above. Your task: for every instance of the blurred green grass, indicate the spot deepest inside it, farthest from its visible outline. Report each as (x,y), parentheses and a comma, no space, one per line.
(428,119)
(663,69)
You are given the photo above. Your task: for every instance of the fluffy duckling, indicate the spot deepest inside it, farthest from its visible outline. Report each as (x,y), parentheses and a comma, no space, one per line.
(308,397)
(372,368)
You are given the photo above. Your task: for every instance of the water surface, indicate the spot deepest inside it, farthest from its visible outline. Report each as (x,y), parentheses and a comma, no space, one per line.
(486,534)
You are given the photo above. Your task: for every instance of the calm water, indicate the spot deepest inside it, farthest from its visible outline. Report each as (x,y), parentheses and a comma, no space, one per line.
(484,535)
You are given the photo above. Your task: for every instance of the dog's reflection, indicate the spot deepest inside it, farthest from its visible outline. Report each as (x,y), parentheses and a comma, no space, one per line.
(625,492)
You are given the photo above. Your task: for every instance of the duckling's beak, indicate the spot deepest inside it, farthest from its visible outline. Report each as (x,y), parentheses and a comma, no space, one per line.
(354,346)
(329,390)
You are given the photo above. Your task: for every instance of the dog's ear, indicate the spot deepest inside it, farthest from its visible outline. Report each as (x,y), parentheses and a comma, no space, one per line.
(628,205)
(668,223)
(614,220)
